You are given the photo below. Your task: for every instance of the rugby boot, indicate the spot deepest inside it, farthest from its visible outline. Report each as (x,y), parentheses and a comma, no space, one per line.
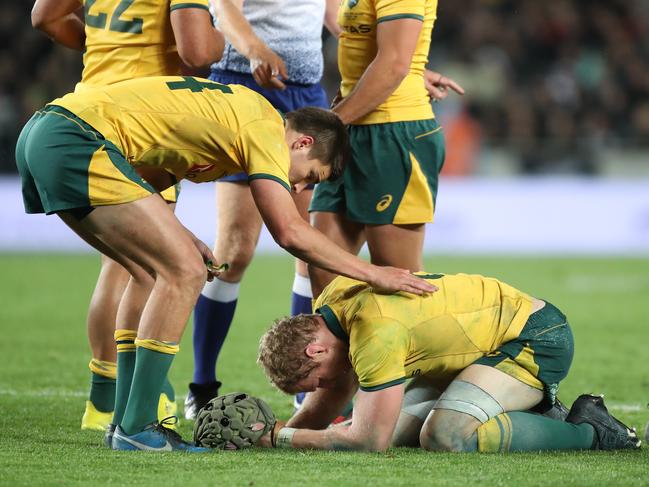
(108,437)
(199,395)
(610,433)
(154,437)
(558,411)
(167,408)
(95,420)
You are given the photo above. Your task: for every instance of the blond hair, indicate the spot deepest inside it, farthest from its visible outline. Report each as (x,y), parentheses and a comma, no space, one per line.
(282,351)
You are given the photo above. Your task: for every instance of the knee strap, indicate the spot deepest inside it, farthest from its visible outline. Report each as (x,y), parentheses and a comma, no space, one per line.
(468,398)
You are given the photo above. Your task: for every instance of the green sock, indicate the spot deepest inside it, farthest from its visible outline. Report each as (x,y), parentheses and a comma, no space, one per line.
(168,389)
(102,393)
(520,431)
(125,340)
(151,368)
(125,368)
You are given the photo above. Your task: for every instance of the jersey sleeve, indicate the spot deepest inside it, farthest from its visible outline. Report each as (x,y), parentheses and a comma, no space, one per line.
(178,4)
(400,9)
(264,152)
(378,350)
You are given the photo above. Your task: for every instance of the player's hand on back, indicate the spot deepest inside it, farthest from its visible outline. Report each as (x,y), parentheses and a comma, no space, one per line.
(267,67)
(392,279)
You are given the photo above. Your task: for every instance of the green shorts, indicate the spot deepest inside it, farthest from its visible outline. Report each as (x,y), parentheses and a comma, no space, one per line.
(391,175)
(65,164)
(541,355)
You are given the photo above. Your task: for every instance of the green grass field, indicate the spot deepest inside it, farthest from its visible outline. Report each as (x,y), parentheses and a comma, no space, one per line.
(44,381)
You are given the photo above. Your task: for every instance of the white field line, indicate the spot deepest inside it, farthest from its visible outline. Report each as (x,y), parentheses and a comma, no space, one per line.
(625,408)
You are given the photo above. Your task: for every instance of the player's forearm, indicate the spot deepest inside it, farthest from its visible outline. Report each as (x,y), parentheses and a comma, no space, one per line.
(236,28)
(339,438)
(322,406)
(311,246)
(331,18)
(67,31)
(381,78)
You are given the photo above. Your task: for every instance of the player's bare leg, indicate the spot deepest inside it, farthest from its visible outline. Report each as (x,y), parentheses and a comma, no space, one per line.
(146,232)
(102,312)
(101,321)
(484,409)
(238,228)
(346,234)
(396,245)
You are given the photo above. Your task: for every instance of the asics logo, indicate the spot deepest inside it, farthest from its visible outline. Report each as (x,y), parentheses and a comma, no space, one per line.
(384,202)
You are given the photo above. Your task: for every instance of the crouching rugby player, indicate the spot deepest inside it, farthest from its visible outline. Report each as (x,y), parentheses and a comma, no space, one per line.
(480,354)
(78,157)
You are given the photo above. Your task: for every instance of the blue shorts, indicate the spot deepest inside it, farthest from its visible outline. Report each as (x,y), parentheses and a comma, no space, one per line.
(293,97)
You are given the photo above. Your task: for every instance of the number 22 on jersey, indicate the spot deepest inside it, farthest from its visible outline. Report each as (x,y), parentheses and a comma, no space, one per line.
(98,20)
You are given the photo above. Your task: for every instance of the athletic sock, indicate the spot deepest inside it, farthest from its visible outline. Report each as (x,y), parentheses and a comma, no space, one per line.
(125,364)
(152,363)
(520,431)
(213,316)
(102,384)
(168,389)
(301,296)
(301,299)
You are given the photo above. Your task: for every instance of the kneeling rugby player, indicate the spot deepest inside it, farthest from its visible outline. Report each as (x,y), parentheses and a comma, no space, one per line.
(482,357)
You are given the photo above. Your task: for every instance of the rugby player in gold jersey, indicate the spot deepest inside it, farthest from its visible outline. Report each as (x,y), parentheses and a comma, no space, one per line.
(120,40)
(484,361)
(83,156)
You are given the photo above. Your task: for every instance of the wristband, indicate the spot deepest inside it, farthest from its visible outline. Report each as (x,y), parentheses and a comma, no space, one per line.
(285,437)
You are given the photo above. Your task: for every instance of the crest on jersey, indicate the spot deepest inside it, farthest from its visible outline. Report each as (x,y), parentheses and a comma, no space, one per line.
(352,3)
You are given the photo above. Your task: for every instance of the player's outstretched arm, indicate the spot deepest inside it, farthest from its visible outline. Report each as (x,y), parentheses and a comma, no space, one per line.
(266,66)
(61,20)
(322,406)
(375,416)
(299,238)
(199,43)
(396,44)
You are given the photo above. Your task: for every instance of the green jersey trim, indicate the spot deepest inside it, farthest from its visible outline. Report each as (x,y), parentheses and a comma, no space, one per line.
(262,175)
(387,18)
(331,320)
(424,275)
(178,6)
(394,382)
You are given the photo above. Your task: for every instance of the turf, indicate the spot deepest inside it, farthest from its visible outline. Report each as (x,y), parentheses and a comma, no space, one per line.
(44,380)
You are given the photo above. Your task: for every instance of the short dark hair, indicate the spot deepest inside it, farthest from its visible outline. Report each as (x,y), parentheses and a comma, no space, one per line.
(330,137)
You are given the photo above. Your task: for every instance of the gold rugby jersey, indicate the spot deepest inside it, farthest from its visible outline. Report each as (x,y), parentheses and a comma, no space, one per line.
(129,39)
(191,127)
(357,48)
(397,336)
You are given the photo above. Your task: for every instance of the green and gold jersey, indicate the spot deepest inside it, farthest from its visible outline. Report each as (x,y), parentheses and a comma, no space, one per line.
(357,47)
(130,39)
(394,337)
(191,127)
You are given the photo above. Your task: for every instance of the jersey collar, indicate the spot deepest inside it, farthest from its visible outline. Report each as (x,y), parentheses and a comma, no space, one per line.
(331,320)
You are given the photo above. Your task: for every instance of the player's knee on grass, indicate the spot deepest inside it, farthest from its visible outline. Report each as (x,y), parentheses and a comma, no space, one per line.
(450,431)
(458,413)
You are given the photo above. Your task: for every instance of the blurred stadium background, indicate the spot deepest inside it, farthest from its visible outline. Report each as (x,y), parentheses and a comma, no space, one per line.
(547,156)
(553,132)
